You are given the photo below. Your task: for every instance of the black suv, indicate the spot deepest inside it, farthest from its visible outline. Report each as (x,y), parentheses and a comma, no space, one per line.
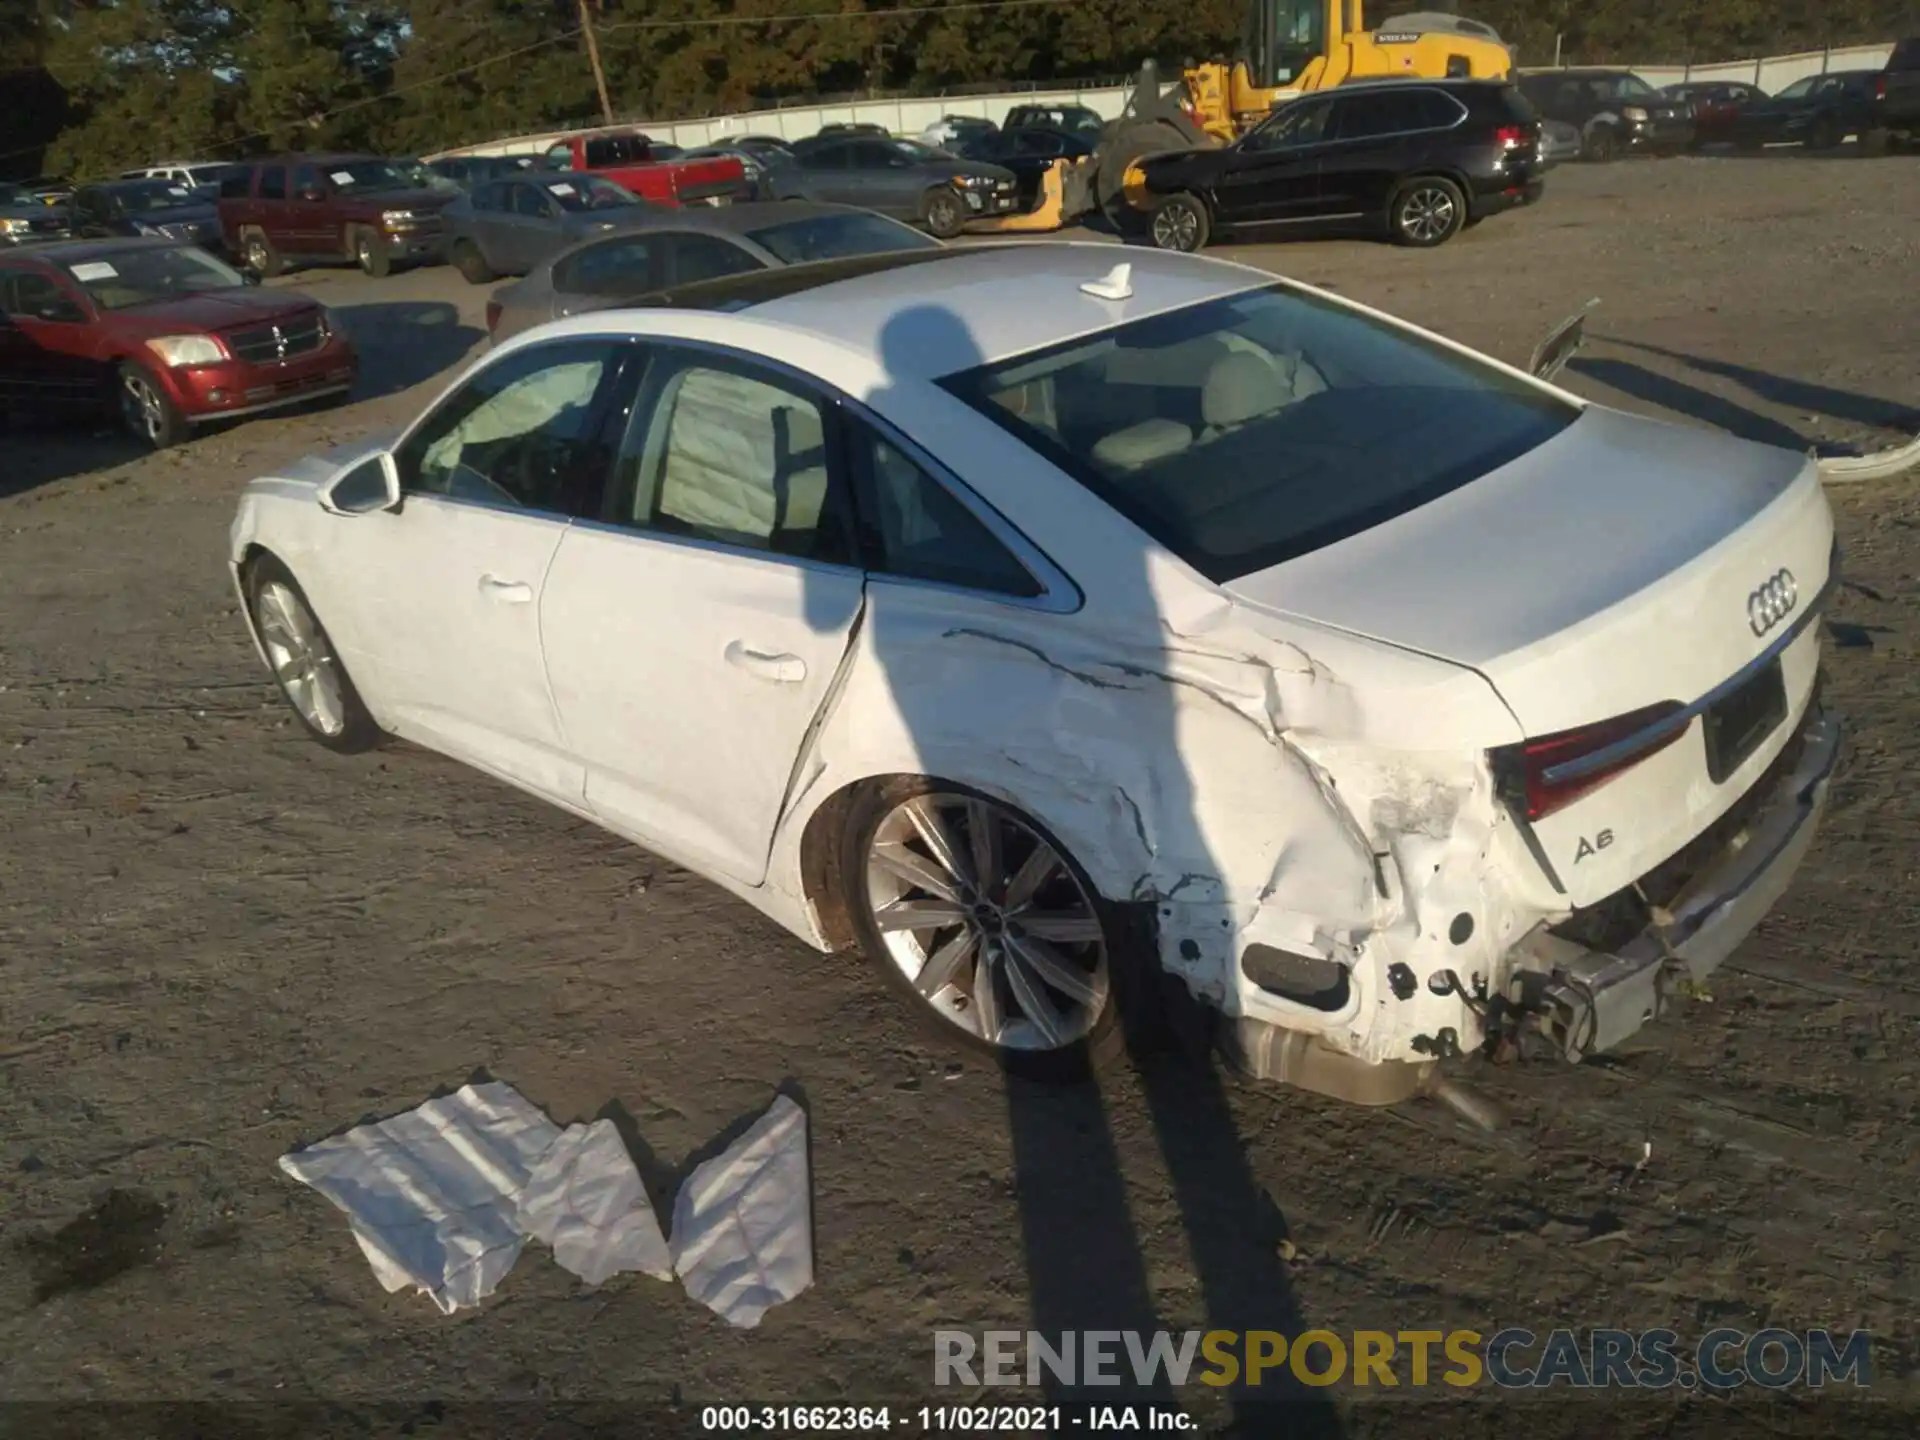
(145,207)
(1417,159)
(1614,110)
(1899,88)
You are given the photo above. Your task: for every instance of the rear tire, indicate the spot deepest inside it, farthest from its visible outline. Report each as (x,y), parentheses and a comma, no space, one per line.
(306,667)
(257,253)
(944,213)
(1426,212)
(1180,223)
(1097,965)
(370,253)
(471,264)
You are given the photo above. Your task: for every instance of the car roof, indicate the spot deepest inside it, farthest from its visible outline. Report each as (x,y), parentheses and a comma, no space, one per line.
(68,252)
(929,313)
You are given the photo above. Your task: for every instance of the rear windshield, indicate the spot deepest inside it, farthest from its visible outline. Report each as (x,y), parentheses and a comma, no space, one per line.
(1243,432)
(837,237)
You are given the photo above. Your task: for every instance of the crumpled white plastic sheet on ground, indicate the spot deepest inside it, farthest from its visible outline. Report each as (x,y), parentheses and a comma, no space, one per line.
(445,1196)
(429,1194)
(585,1199)
(743,1222)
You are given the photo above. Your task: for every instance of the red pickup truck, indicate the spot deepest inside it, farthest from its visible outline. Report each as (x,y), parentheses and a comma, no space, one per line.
(627,158)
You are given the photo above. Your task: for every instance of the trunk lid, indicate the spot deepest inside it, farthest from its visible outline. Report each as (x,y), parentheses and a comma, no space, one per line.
(1606,571)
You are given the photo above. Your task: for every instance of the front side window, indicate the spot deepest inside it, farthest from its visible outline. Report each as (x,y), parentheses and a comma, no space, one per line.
(1242,432)
(531,201)
(139,276)
(518,434)
(1295,126)
(39,297)
(914,528)
(1798,89)
(827,157)
(724,453)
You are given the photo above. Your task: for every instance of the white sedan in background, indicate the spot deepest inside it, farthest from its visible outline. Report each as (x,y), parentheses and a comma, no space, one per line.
(1061,634)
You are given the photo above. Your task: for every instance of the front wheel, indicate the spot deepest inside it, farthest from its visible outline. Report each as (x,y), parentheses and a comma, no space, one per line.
(1427,212)
(1826,134)
(946,216)
(1180,223)
(1600,147)
(148,410)
(985,925)
(371,255)
(305,666)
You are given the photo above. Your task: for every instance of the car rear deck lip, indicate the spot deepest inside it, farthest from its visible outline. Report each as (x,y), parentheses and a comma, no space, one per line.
(1648,736)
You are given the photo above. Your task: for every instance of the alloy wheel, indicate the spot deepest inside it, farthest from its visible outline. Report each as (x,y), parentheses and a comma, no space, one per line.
(1426,214)
(141,407)
(303,661)
(987,922)
(257,255)
(1176,227)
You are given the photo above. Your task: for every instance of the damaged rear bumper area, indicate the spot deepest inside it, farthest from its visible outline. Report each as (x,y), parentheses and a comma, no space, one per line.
(1586,1001)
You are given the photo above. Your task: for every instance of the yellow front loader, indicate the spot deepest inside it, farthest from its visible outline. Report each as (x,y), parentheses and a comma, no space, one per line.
(1289,47)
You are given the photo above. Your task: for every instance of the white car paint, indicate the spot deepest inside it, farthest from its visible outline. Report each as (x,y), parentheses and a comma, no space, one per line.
(1296,759)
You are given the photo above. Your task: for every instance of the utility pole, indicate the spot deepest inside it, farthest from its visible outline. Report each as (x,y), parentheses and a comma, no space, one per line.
(593,57)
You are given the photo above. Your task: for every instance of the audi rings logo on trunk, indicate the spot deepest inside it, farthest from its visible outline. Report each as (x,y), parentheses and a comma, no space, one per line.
(1772,602)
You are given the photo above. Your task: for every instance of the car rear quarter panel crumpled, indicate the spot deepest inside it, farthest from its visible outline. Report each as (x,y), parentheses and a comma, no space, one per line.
(1249,778)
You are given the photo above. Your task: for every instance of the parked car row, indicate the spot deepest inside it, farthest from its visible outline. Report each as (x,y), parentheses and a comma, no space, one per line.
(1617,112)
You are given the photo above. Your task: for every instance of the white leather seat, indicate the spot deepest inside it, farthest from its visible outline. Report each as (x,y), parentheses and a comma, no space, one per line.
(1142,444)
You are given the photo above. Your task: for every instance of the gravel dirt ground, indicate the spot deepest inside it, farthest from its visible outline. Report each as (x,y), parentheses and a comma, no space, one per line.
(218,941)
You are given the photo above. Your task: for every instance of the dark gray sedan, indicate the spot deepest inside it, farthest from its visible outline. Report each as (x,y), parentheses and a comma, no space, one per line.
(665,249)
(507,227)
(907,180)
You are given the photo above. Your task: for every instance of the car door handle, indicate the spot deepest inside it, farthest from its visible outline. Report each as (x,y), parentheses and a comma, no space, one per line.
(506,592)
(781,669)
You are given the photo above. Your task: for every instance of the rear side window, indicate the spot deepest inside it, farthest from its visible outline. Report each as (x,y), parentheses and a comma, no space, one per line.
(1364,117)
(913,527)
(708,257)
(1242,432)
(617,267)
(612,150)
(273,183)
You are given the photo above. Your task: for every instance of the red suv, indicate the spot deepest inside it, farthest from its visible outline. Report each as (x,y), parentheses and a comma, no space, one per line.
(162,331)
(327,209)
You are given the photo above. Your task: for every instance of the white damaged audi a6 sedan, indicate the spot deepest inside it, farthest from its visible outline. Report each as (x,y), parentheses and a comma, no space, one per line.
(1078,639)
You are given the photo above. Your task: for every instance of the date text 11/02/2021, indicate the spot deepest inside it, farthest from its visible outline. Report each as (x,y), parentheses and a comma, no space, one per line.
(938,1419)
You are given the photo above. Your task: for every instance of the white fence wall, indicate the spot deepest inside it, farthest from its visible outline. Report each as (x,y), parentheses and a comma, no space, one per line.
(911,116)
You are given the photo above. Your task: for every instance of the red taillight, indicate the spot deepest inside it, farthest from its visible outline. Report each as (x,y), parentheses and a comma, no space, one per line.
(1510,137)
(493,316)
(1879,87)
(1550,772)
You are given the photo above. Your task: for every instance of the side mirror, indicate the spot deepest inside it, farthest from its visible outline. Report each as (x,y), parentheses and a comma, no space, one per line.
(371,486)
